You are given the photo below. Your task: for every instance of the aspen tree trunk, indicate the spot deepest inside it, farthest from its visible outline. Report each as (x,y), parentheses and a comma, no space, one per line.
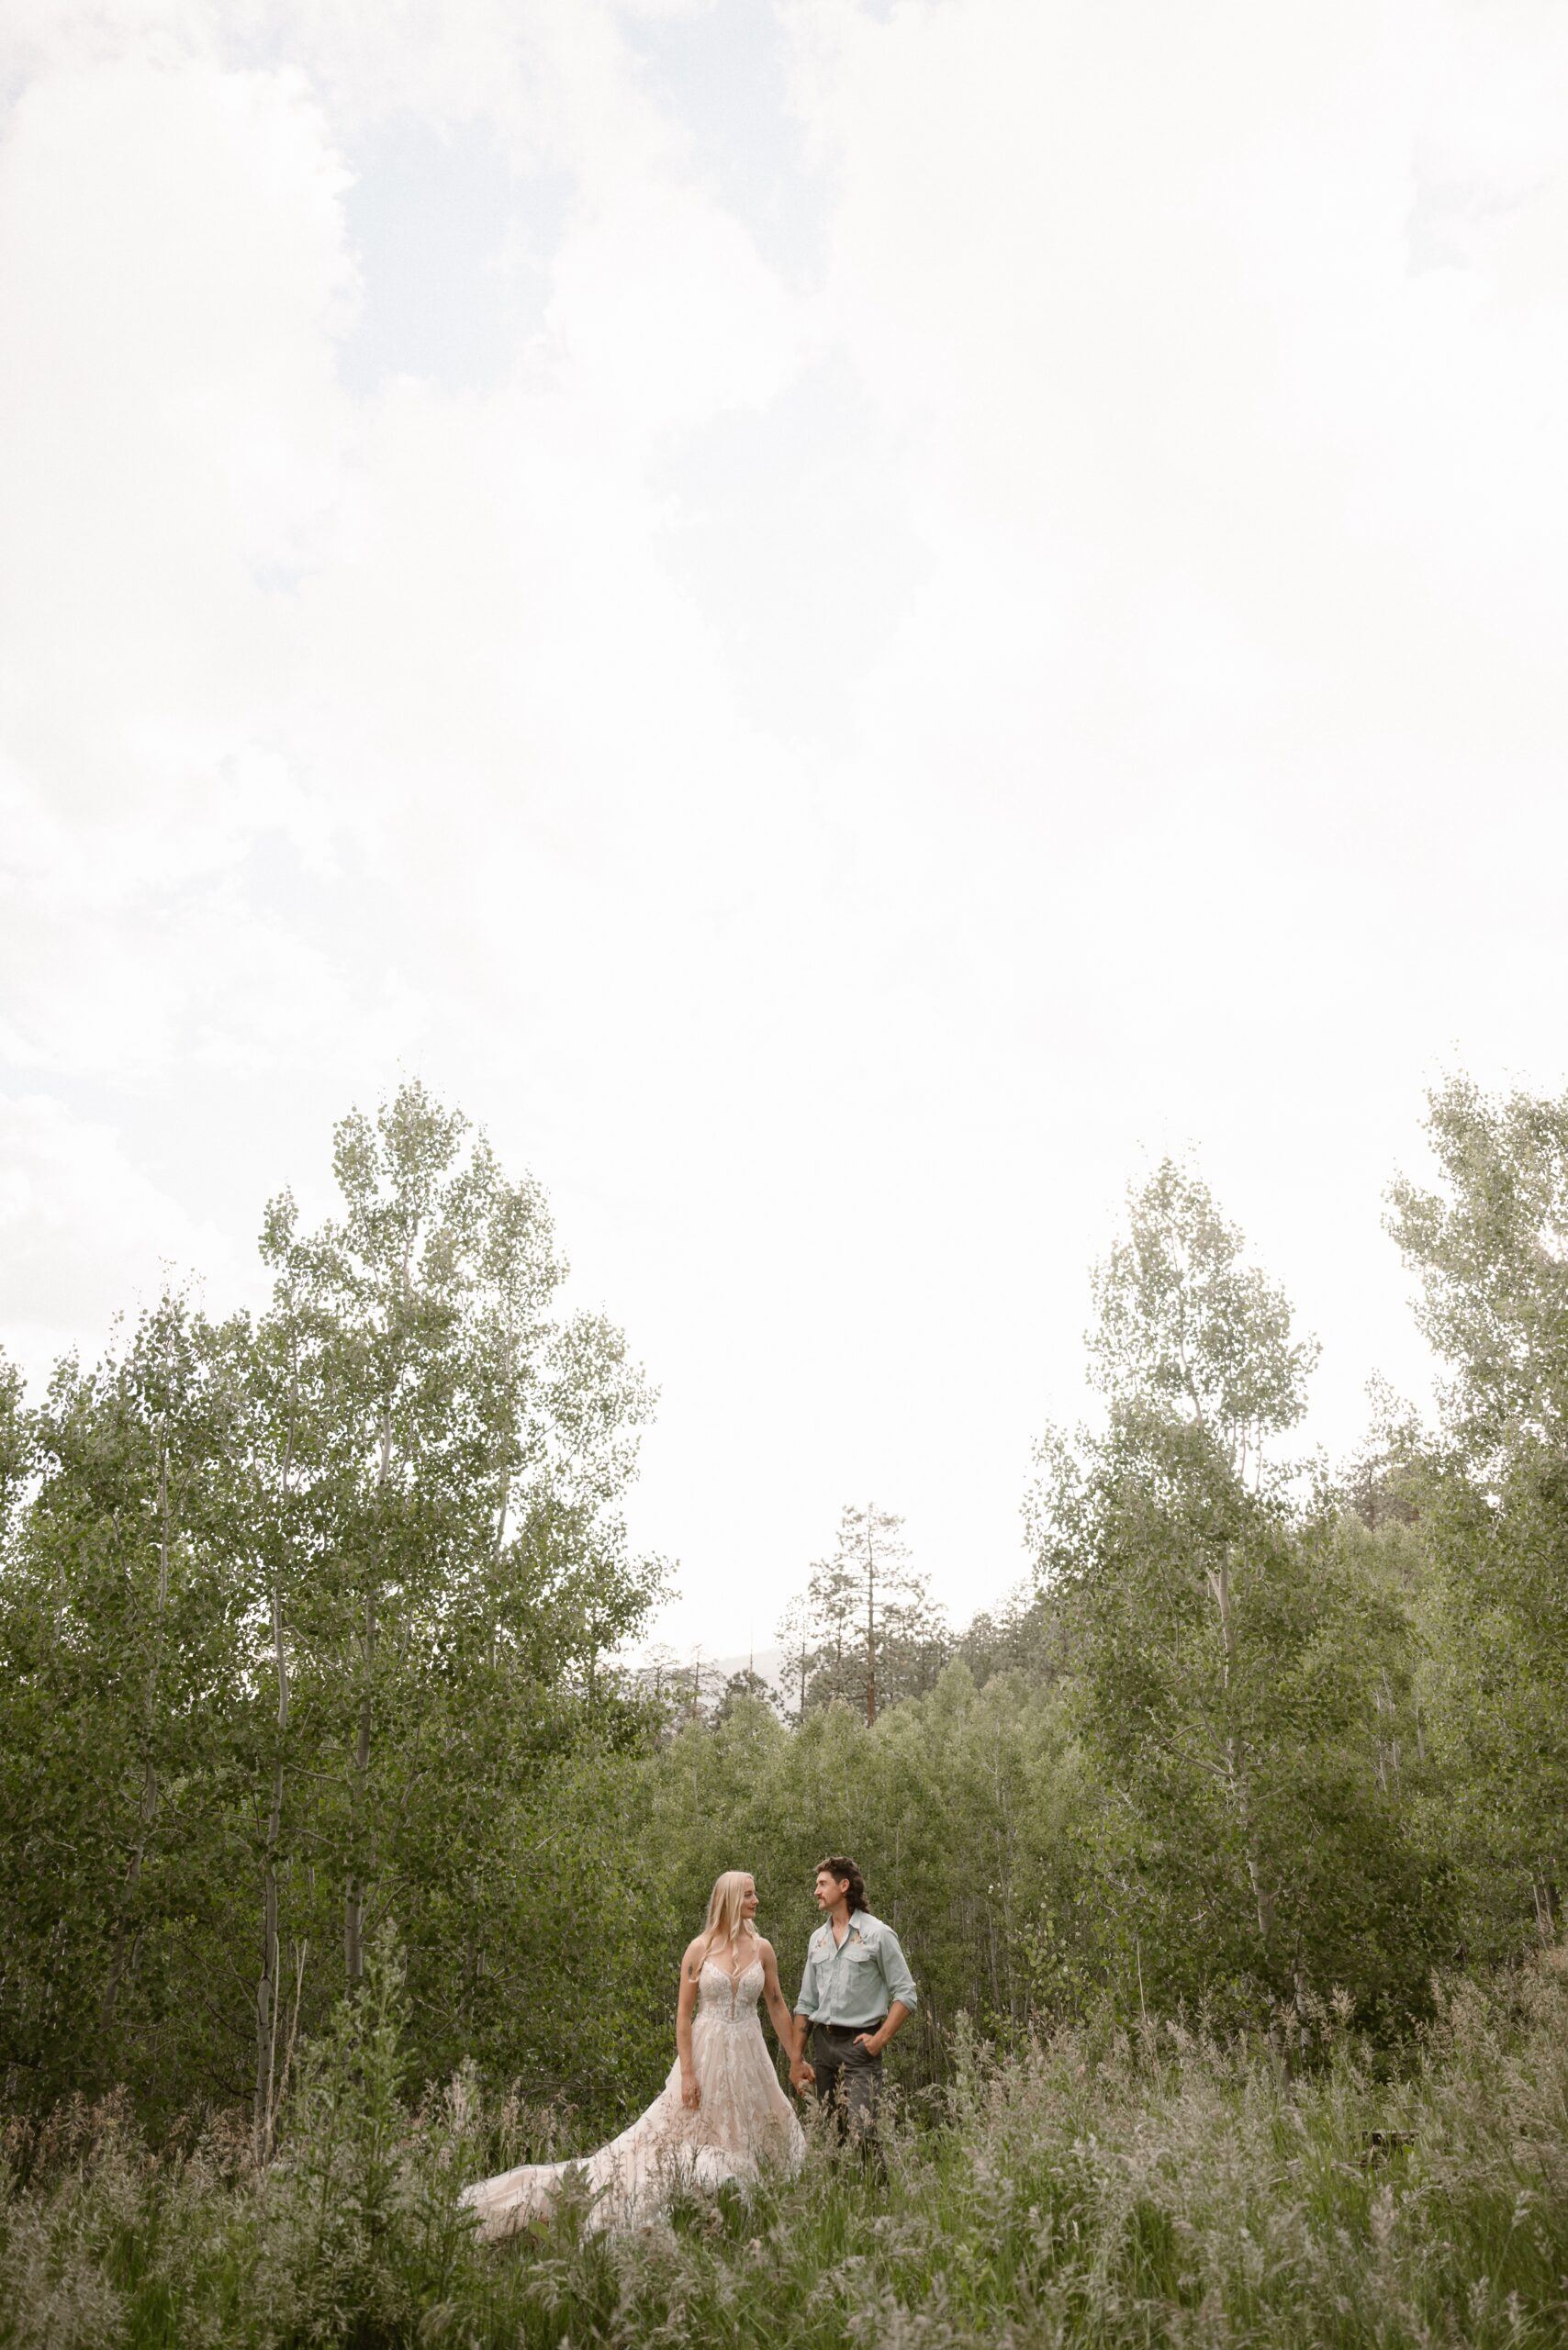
(125,1942)
(353,1896)
(503,1501)
(1544,1893)
(871,1620)
(1234,1758)
(1386,1762)
(268,1990)
(503,1506)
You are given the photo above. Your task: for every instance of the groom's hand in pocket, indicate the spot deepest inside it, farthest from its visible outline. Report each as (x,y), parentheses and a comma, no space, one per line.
(870,2042)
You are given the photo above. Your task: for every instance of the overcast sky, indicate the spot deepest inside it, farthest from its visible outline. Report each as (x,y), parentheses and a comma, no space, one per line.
(842,620)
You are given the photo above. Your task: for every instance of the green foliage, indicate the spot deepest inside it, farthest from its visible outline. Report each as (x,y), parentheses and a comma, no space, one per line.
(1231,1649)
(866,1631)
(1490,1245)
(16,1446)
(125,1648)
(960,1806)
(1188,1335)
(299,1620)
(362,2236)
(1097,2187)
(318,1787)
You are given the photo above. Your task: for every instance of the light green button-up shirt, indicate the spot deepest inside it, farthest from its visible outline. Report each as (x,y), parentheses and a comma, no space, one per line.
(853,1984)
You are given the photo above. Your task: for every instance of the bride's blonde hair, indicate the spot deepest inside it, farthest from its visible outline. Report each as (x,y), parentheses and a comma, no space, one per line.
(724,1906)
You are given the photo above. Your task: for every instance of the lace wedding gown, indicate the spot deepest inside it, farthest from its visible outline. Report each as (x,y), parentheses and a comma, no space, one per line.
(743,2117)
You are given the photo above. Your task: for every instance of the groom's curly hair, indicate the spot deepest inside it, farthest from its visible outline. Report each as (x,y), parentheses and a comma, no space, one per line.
(848,1876)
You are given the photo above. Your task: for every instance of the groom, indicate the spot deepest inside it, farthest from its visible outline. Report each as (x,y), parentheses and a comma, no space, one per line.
(856,1992)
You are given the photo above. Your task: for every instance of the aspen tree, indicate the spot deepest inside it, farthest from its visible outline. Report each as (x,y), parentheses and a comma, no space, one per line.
(1229,1687)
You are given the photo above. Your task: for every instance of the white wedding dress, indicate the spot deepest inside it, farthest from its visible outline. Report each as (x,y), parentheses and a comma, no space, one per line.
(743,2117)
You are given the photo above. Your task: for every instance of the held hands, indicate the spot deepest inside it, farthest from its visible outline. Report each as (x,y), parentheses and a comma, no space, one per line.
(802,2075)
(690,2093)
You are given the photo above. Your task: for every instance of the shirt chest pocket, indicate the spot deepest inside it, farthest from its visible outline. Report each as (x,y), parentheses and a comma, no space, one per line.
(860,1955)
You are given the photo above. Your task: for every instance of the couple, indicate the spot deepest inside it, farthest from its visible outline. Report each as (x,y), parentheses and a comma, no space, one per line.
(722,2111)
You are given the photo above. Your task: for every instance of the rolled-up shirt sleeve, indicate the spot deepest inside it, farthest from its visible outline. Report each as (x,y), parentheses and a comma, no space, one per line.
(806,2005)
(895,1970)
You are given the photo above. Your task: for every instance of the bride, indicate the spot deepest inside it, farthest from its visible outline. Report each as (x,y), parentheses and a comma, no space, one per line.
(719,2114)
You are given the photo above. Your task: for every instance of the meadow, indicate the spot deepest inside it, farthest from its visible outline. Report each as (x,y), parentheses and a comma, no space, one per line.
(1100,2187)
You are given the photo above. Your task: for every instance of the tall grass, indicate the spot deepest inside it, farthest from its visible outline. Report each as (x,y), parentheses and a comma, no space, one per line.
(1096,2189)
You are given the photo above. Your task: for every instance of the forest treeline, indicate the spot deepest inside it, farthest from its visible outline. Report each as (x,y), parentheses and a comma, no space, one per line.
(308,1622)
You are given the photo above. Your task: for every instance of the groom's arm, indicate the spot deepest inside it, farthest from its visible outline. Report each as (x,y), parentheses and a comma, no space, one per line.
(902,1997)
(873,2043)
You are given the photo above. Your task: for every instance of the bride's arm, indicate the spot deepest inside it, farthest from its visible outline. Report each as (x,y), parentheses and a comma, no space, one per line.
(778,2005)
(691,1967)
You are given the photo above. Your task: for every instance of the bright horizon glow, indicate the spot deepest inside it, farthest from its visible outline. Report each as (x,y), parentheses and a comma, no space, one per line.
(843,621)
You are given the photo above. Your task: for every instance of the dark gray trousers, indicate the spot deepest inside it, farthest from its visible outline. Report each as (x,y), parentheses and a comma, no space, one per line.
(848,2082)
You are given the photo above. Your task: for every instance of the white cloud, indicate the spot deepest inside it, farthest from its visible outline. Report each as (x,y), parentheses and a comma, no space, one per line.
(828,763)
(666,315)
(86,1233)
(172,265)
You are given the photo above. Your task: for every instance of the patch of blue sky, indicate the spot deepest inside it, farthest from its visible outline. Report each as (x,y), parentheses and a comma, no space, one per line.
(791,527)
(453,248)
(723,74)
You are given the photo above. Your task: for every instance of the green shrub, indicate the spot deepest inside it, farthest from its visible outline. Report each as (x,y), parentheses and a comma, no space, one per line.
(1099,2189)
